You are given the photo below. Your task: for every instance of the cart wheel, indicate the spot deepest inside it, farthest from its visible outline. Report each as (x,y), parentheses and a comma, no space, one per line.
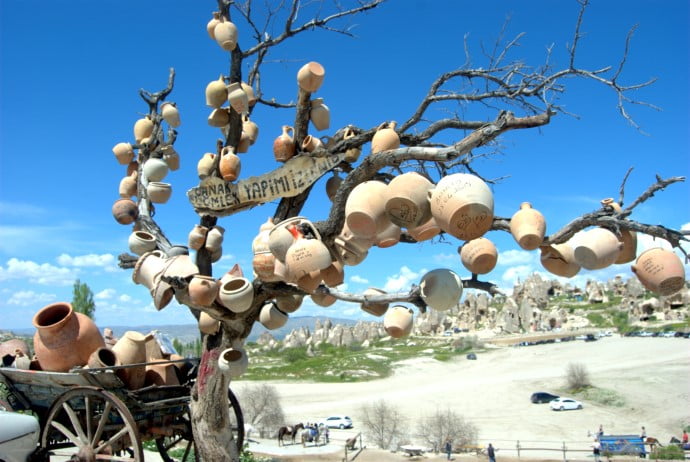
(182,440)
(92,424)
(236,420)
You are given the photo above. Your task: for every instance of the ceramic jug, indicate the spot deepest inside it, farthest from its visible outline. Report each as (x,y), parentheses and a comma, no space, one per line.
(233,362)
(131,349)
(365,208)
(661,271)
(141,242)
(320,115)
(407,200)
(479,255)
(559,259)
(250,129)
(124,153)
(398,321)
(351,154)
(211,25)
(385,138)
(143,128)
(230,164)
(225,34)
(159,192)
(237,98)
(376,309)
(271,317)
(214,238)
(125,211)
(310,76)
(441,289)
(216,93)
(236,294)
(596,248)
(197,237)
(170,114)
(280,238)
(284,146)
(528,227)
(204,167)
(311,143)
(250,93)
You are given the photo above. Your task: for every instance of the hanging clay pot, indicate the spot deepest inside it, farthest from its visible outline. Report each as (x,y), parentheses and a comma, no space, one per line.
(323,299)
(351,154)
(385,138)
(125,211)
(237,98)
(628,239)
(133,169)
(197,237)
(425,231)
(319,114)
(263,260)
(250,128)
(528,227)
(407,200)
(225,34)
(398,321)
(233,362)
(64,338)
(661,271)
(243,145)
(158,192)
(349,254)
(216,93)
(388,236)
(284,146)
(148,269)
(204,167)
(219,117)
(332,185)
(376,309)
(309,282)
(271,317)
(479,255)
(230,164)
(310,76)
(250,93)
(236,295)
(280,238)
(306,255)
(102,357)
(559,259)
(289,303)
(597,248)
(441,289)
(131,349)
(128,187)
(364,208)
(214,238)
(141,242)
(155,169)
(207,324)
(463,206)
(334,274)
(170,114)
(171,157)
(124,153)
(311,143)
(143,128)
(211,25)
(160,372)
(203,290)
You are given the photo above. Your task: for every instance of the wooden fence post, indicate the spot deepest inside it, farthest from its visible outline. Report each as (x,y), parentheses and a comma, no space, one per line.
(564,452)
(518,448)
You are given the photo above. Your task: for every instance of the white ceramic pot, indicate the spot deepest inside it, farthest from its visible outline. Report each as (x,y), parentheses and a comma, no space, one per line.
(441,289)
(233,362)
(155,169)
(236,294)
(141,242)
(158,192)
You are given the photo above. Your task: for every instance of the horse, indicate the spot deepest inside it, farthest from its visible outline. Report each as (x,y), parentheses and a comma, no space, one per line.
(312,435)
(652,442)
(290,431)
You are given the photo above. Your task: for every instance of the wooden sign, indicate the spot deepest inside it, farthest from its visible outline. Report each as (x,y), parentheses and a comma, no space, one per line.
(217,195)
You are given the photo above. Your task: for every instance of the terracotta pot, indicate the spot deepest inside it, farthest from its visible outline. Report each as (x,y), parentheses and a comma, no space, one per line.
(463,206)
(280,238)
(610,202)
(125,211)
(263,264)
(250,93)
(250,129)
(332,185)
(149,268)
(225,34)
(197,237)
(236,295)
(559,259)
(310,76)
(323,299)
(319,114)
(237,98)
(385,138)
(171,158)
(124,153)
(158,192)
(479,255)
(218,117)
(528,227)
(364,208)
(284,146)
(203,290)
(309,282)
(64,338)
(133,169)
(441,289)
(155,169)
(407,200)
(334,274)
(311,143)
(214,238)
(141,242)
(143,128)
(660,271)
(170,114)
(398,321)
(102,357)
(230,164)
(128,187)
(425,231)
(351,154)
(306,255)
(204,167)
(282,273)
(207,324)
(376,309)
(160,373)
(628,252)
(597,248)
(289,303)
(243,145)
(216,93)
(271,317)
(233,362)
(350,254)
(181,266)
(131,349)
(211,25)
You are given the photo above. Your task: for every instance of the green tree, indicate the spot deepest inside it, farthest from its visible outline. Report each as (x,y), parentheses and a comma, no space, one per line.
(82,299)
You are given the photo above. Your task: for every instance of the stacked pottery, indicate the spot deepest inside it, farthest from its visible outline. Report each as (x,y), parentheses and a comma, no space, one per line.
(660,271)
(597,248)
(170,114)
(310,76)
(463,206)
(407,200)
(141,242)
(131,349)
(306,255)
(158,192)
(124,153)
(319,114)
(236,294)
(203,290)
(352,154)
(233,362)
(376,309)
(216,93)
(365,208)
(559,259)
(64,338)
(479,255)
(425,231)
(528,227)
(230,164)
(225,34)
(284,145)
(441,289)
(398,321)
(271,317)
(385,138)
(125,211)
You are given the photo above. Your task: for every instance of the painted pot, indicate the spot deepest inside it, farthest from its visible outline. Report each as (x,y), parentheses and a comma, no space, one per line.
(128,187)
(237,98)
(207,324)
(141,242)
(306,255)
(170,114)
(230,164)
(203,290)
(385,138)
(131,349)
(320,115)
(364,208)
(236,295)
(289,303)
(463,206)
(310,76)
(155,169)
(233,362)
(197,237)
(64,338)
(204,167)
(479,255)
(661,271)
(559,259)
(528,227)
(271,317)
(351,154)
(376,309)
(597,248)
(407,200)
(124,153)
(159,192)
(143,128)
(216,93)
(425,231)
(225,34)
(284,145)
(125,211)
(214,238)
(398,321)
(441,289)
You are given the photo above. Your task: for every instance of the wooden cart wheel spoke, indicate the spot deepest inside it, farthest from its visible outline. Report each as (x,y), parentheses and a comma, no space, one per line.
(89,420)
(101,423)
(76,425)
(123,431)
(71,436)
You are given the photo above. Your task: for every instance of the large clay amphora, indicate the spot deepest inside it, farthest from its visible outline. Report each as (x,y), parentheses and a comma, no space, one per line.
(64,338)
(398,321)
(559,259)
(131,349)
(365,208)
(407,200)
(479,255)
(597,248)
(463,206)
(528,227)
(441,289)
(660,271)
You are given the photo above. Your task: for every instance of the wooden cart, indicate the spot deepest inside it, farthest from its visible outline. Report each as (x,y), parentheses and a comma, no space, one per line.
(90,413)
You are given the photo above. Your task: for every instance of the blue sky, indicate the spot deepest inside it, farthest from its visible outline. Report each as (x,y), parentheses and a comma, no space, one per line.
(71,71)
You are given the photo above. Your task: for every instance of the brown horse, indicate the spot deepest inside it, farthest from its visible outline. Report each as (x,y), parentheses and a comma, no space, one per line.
(653,443)
(289,431)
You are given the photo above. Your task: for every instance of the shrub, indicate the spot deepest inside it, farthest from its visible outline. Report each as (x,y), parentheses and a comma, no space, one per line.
(577,377)
(670,452)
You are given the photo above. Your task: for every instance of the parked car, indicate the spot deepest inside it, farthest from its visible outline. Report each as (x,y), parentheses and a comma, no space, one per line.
(338,421)
(565,404)
(591,338)
(471,356)
(542,397)
(18,436)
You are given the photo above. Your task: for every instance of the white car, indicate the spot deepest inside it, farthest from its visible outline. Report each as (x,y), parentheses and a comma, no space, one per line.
(338,421)
(564,404)
(18,436)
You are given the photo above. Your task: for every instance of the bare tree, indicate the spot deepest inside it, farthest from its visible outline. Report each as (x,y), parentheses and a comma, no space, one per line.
(517,96)
(384,424)
(442,425)
(577,376)
(261,408)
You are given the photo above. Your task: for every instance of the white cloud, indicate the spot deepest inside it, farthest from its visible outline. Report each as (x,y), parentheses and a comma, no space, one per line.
(91,259)
(515,257)
(18,209)
(403,279)
(29,297)
(106,294)
(44,273)
(359,279)
(514,272)
(125,298)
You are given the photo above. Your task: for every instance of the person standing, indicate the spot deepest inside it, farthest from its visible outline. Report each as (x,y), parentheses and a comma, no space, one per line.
(491,453)
(643,434)
(448,447)
(685,437)
(600,433)
(596,449)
